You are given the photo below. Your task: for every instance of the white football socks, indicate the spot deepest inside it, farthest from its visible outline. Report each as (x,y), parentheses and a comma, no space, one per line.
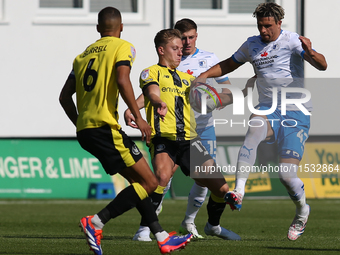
(242,174)
(295,187)
(97,223)
(161,236)
(195,201)
(256,133)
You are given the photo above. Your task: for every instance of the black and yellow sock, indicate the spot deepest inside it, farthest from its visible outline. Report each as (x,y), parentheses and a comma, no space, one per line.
(215,209)
(124,201)
(156,199)
(149,215)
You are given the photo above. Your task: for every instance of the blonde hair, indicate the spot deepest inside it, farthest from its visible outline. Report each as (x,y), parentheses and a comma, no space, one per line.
(166,35)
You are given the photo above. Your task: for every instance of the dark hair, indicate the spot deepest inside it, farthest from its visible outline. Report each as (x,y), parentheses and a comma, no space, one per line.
(165,35)
(108,13)
(184,25)
(269,10)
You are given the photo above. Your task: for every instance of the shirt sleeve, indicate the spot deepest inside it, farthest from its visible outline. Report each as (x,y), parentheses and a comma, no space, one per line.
(221,79)
(295,45)
(126,55)
(148,77)
(71,75)
(241,56)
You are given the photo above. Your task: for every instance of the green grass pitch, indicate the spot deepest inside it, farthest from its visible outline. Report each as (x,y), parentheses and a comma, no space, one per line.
(51,227)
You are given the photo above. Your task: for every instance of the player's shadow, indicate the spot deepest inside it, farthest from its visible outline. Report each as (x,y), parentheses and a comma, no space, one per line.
(42,237)
(19,253)
(302,249)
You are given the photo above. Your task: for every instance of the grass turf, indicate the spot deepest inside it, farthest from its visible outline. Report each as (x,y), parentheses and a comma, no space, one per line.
(51,227)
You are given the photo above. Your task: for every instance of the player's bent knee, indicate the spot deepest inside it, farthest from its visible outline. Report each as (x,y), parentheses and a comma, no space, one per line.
(163,177)
(217,199)
(220,191)
(287,173)
(285,181)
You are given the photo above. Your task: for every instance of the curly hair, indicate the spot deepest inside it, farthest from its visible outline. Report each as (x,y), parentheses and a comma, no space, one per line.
(269,10)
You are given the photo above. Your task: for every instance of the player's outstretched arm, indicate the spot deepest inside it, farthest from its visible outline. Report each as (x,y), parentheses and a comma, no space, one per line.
(224,67)
(227,97)
(153,93)
(126,91)
(128,116)
(314,58)
(66,100)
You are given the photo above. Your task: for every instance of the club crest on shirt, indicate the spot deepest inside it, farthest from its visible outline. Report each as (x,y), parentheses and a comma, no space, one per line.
(202,63)
(185,82)
(145,74)
(160,147)
(276,46)
(135,150)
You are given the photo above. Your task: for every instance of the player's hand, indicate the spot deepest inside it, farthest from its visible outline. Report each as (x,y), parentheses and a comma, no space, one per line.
(198,80)
(306,44)
(162,110)
(129,119)
(144,128)
(202,77)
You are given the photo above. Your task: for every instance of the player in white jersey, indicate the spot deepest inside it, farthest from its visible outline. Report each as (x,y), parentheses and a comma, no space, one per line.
(277,58)
(195,61)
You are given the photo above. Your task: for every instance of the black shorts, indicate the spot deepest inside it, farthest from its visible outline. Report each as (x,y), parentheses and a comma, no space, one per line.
(186,154)
(113,148)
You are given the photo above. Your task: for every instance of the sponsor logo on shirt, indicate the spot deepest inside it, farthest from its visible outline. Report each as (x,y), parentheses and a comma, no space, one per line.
(190,72)
(264,54)
(183,93)
(265,60)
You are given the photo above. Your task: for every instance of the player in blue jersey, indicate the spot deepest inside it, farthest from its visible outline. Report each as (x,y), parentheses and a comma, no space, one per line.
(195,61)
(277,58)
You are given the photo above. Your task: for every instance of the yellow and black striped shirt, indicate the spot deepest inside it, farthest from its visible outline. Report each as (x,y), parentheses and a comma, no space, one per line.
(179,122)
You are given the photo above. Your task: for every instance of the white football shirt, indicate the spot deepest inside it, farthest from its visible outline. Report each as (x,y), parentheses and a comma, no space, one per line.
(276,64)
(196,64)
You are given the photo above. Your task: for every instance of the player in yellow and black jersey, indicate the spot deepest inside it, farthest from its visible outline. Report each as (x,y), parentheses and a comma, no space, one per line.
(99,74)
(174,141)
(98,64)
(179,123)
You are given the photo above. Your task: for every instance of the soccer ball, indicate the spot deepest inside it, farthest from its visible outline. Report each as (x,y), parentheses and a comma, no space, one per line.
(203,92)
